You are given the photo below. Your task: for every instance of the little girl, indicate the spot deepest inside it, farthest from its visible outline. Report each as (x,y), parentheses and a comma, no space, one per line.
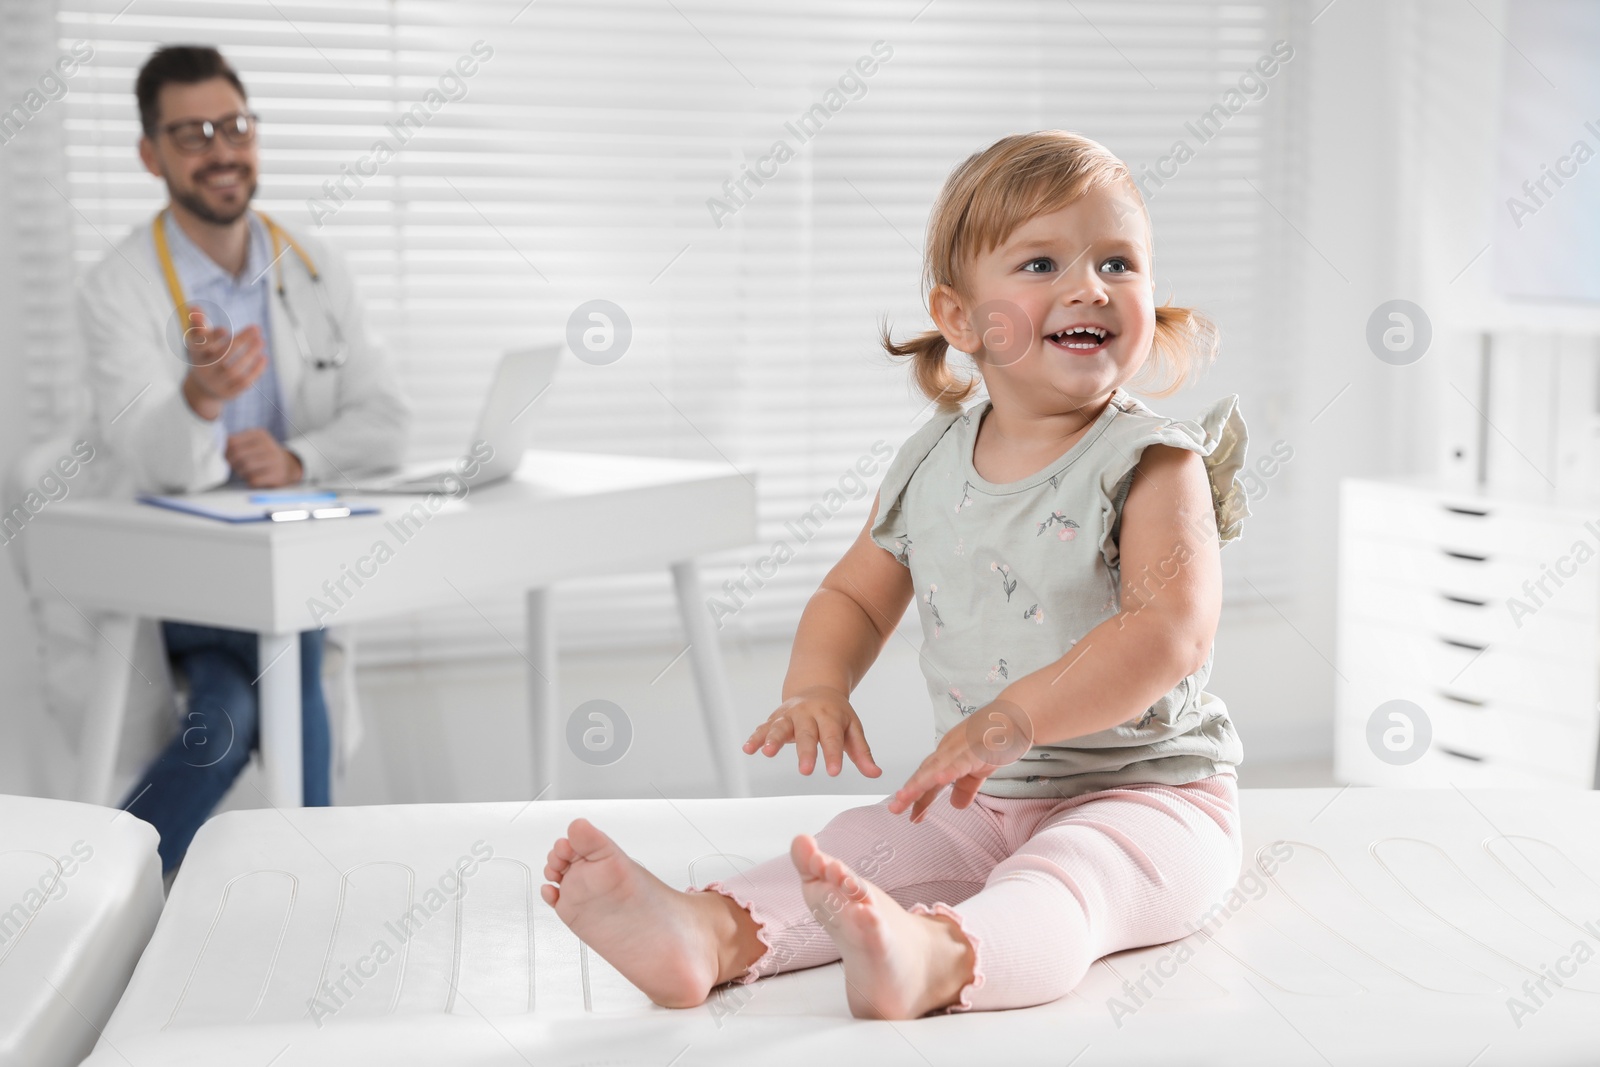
(1061,543)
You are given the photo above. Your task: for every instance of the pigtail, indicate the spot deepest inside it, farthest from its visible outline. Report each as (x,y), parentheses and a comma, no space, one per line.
(928,351)
(1184,344)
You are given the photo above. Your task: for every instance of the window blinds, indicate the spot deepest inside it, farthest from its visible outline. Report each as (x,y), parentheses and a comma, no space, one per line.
(605,151)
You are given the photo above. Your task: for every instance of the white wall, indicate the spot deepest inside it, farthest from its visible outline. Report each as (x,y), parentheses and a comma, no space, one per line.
(1274,660)
(1378,212)
(20,700)
(1402,120)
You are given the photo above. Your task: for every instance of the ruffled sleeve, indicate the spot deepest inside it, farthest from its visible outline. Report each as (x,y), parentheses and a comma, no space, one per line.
(889,527)
(1218,435)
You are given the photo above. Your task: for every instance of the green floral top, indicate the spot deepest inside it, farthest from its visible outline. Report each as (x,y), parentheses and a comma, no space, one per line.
(1008,577)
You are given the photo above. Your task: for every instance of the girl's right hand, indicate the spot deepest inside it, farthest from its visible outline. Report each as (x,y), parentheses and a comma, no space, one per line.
(816,714)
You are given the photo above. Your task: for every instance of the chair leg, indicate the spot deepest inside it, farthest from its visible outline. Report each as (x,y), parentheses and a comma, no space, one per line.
(108,708)
(711,680)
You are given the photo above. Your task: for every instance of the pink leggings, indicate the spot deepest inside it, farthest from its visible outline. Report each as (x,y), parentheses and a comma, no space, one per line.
(1044,887)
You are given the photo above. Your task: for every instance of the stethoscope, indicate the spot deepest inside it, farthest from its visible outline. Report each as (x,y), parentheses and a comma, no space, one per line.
(280,238)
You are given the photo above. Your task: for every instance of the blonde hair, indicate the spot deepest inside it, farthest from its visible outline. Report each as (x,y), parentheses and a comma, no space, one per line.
(984,201)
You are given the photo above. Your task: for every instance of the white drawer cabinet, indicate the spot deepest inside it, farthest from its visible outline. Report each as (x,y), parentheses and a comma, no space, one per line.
(1441,605)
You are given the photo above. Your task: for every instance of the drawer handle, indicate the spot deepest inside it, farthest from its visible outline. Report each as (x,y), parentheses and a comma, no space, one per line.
(1472,557)
(1457,509)
(1469,701)
(1468,645)
(1460,755)
(1468,600)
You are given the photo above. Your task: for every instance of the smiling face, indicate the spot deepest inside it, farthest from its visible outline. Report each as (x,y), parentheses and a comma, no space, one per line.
(217,183)
(1062,311)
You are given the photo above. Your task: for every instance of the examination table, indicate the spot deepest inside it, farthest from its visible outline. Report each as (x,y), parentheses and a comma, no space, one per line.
(80,890)
(1369,926)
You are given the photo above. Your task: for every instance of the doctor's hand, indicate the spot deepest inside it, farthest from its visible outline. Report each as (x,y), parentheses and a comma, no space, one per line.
(221,364)
(816,715)
(258,458)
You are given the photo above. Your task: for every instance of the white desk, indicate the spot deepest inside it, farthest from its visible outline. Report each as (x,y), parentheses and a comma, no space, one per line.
(564,515)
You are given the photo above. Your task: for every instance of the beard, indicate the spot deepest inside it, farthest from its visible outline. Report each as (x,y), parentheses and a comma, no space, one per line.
(194,203)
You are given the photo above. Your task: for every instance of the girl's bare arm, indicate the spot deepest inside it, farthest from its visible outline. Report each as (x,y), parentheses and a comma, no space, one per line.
(849,618)
(844,626)
(1171,600)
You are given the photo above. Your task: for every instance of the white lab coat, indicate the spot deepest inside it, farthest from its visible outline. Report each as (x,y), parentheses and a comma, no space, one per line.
(341,420)
(347,419)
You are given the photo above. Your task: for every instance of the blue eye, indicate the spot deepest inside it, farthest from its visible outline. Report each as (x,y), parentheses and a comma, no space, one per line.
(1049,265)
(1126,266)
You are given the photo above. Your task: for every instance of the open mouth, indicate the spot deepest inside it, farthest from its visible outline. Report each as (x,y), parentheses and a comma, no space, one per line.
(1081,339)
(222,179)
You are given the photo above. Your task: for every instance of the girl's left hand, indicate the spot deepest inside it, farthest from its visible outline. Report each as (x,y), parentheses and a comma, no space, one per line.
(996,734)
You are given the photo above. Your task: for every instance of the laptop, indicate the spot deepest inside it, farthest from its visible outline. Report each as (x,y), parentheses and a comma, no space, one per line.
(504,429)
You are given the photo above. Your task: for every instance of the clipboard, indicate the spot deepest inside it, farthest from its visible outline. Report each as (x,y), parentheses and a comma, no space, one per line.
(240,507)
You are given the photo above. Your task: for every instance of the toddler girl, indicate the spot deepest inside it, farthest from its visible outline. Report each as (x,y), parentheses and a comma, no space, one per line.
(1060,541)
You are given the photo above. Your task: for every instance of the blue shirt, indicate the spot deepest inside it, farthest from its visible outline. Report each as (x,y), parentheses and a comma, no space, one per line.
(242,302)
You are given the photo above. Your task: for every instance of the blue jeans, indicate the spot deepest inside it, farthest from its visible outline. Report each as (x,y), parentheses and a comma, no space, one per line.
(190,777)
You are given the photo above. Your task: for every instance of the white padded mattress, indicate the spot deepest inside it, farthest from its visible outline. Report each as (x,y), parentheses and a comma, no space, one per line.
(80,889)
(1396,926)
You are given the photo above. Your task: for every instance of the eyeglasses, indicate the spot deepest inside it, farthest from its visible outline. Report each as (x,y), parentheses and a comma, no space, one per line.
(196,135)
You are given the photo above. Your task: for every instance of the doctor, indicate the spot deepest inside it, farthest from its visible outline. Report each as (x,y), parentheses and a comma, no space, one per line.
(224,349)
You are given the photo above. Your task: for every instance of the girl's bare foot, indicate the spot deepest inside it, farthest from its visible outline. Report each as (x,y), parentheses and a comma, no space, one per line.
(896,965)
(676,947)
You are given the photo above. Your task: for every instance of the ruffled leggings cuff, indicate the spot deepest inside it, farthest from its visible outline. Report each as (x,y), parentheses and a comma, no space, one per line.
(767,963)
(964,1000)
